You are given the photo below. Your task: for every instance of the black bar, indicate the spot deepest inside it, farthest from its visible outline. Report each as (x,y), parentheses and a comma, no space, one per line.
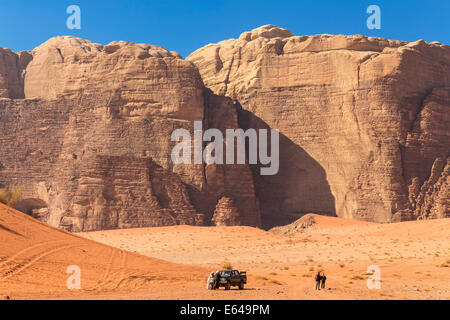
(242,309)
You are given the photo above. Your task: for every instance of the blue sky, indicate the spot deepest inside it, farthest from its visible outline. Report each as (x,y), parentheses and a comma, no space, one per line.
(185,26)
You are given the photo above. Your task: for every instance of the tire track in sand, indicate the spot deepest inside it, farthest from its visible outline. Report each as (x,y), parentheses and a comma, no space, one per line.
(123,264)
(19,253)
(105,279)
(32,260)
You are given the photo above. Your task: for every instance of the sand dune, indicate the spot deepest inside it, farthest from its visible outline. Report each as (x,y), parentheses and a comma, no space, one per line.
(413,257)
(34,258)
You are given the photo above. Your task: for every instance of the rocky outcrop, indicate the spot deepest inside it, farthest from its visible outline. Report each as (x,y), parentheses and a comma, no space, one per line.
(299,226)
(125,192)
(364,129)
(92,137)
(226,213)
(361,120)
(12,67)
(430,200)
(231,180)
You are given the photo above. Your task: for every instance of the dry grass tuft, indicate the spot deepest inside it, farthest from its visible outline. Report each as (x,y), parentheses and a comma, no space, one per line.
(10,197)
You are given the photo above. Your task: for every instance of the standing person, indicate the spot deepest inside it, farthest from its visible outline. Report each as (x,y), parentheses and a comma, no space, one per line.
(318,278)
(216,280)
(210,283)
(324,278)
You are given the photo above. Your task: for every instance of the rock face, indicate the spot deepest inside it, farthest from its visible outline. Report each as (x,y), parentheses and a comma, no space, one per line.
(430,200)
(363,121)
(299,226)
(226,213)
(12,66)
(92,137)
(364,129)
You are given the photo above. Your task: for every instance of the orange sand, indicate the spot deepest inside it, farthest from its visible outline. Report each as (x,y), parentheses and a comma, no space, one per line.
(413,257)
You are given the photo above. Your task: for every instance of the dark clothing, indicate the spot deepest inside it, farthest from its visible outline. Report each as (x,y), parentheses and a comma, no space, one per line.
(216,280)
(324,278)
(318,279)
(317,285)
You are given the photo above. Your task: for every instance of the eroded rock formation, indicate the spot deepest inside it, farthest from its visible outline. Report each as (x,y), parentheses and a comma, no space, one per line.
(299,226)
(92,137)
(364,129)
(362,120)
(226,213)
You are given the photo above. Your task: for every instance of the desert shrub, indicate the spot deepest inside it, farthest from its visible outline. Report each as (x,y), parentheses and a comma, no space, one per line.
(445,264)
(226,265)
(274,281)
(4,196)
(10,197)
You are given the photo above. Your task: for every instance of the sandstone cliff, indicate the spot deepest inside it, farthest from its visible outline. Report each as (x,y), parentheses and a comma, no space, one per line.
(364,129)
(86,129)
(226,213)
(362,120)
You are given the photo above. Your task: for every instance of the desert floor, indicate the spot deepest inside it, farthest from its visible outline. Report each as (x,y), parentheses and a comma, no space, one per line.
(414,258)
(174,262)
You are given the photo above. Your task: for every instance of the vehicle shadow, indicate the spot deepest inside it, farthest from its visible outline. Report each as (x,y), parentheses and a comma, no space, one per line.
(236,289)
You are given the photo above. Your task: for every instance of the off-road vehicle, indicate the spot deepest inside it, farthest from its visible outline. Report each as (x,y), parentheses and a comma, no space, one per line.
(232,278)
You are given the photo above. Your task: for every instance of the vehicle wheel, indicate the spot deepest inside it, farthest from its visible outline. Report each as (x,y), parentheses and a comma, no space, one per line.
(227,286)
(241,286)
